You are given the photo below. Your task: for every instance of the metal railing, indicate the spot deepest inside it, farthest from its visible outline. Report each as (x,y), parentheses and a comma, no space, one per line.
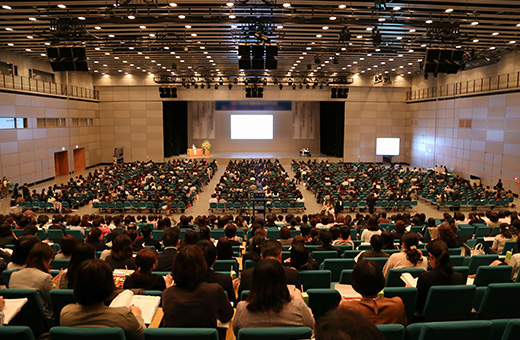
(40,86)
(488,84)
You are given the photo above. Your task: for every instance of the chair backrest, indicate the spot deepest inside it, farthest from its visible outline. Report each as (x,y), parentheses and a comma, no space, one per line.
(59,299)
(457,260)
(392,331)
(315,279)
(321,300)
(381,261)
(456,330)
(345,276)
(464,270)
(31,314)
(59,264)
(500,300)
(393,278)
(288,333)
(6,276)
(181,333)
(87,333)
(492,274)
(226,265)
(480,260)
(510,246)
(409,297)
(16,333)
(54,234)
(336,266)
(320,255)
(447,303)
(512,330)
(249,264)
(76,234)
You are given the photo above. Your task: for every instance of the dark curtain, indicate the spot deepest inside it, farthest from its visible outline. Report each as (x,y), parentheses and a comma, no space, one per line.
(332,126)
(175,127)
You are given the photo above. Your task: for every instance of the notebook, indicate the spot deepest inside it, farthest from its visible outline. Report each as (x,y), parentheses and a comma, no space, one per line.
(148,304)
(12,307)
(409,279)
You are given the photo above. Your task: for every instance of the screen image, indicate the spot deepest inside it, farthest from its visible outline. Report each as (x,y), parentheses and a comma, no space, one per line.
(387,146)
(251,126)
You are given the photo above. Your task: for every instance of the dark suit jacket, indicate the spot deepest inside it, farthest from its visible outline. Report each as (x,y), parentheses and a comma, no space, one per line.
(165,261)
(245,279)
(434,277)
(223,280)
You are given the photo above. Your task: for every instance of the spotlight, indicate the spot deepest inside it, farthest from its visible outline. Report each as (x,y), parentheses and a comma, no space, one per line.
(265,81)
(301,86)
(376,37)
(221,81)
(344,34)
(230,86)
(216,86)
(294,87)
(317,59)
(236,81)
(202,86)
(335,59)
(280,86)
(290,81)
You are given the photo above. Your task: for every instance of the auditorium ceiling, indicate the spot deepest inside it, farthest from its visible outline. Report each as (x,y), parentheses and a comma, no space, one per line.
(200,38)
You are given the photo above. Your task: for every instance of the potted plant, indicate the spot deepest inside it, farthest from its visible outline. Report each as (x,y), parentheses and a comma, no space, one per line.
(206,145)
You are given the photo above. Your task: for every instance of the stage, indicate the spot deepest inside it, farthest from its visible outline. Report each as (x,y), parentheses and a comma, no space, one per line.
(252,155)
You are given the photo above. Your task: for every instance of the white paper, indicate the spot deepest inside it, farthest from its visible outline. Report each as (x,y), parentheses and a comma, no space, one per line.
(12,307)
(409,279)
(347,291)
(147,304)
(470,281)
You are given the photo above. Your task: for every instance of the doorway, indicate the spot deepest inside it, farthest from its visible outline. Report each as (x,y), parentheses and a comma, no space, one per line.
(61,163)
(79,160)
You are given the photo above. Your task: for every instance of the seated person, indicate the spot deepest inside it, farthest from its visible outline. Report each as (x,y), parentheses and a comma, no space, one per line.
(300,259)
(147,239)
(346,324)
(269,303)
(410,257)
(325,238)
(93,285)
(171,241)
(146,261)
(368,280)
(121,254)
(376,243)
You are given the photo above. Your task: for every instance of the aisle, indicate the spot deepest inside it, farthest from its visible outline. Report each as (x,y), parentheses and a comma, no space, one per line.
(201,205)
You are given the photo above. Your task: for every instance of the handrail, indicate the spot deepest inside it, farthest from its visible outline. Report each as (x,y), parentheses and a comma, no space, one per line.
(494,83)
(40,86)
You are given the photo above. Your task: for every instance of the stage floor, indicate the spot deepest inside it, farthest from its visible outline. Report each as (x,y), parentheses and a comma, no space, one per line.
(266,154)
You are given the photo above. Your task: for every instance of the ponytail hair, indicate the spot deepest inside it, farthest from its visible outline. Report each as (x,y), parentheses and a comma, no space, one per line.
(439,250)
(505,230)
(411,241)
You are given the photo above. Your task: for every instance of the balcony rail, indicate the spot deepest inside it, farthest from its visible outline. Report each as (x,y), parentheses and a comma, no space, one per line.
(40,86)
(500,82)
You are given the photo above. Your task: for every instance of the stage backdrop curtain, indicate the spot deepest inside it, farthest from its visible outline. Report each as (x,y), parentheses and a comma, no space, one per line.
(332,126)
(303,119)
(175,127)
(202,119)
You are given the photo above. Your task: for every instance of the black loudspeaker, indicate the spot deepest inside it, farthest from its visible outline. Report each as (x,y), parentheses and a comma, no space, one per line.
(339,92)
(254,92)
(53,52)
(249,90)
(67,58)
(334,93)
(260,92)
(168,92)
(258,63)
(244,50)
(271,51)
(271,63)
(442,61)
(66,52)
(257,50)
(244,63)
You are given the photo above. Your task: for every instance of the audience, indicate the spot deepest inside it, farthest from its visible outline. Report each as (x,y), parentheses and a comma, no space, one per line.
(171,241)
(82,252)
(346,324)
(145,262)
(121,255)
(410,257)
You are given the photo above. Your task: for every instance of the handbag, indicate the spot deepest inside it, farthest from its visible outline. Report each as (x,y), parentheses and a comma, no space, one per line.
(478,250)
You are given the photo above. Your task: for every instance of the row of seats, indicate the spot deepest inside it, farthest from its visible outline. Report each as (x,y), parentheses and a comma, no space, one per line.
(275,205)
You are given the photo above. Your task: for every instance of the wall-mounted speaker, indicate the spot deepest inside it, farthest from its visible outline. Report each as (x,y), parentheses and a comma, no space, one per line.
(168,92)
(254,92)
(339,92)
(67,58)
(442,61)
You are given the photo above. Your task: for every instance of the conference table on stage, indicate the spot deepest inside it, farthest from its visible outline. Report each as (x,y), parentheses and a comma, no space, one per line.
(194,152)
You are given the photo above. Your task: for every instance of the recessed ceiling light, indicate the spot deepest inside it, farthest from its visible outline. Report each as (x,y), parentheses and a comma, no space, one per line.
(8,29)
(318,35)
(230,4)
(325,27)
(151,35)
(6,7)
(361,58)
(359,37)
(474,23)
(429,21)
(512,42)
(232,16)
(43,54)
(399,38)
(391,59)
(286,5)
(492,48)
(173,4)
(476,40)
(412,30)
(332,18)
(116,57)
(423,45)
(131,17)
(107,53)
(28,49)
(381,19)
(396,8)
(30,37)
(399,55)
(62,6)
(97,27)
(449,10)
(47,43)
(81,18)
(194,34)
(181,16)
(458,46)
(342,6)
(146,57)
(308,48)
(111,36)
(32,19)
(495,33)
(187,26)
(378,50)
(517,25)
(369,28)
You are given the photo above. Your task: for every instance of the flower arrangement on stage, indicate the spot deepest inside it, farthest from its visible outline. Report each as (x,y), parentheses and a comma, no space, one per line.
(206,145)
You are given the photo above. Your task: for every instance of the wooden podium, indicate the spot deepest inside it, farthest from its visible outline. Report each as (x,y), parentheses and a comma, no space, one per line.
(194,152)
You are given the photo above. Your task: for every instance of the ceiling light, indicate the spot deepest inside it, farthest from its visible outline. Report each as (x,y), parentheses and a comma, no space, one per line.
(10,44)
(381,19)
(318,35)
(476,40)
(111,36)
(181,16)
(116,57)
(146,57)
(449,10)
(43,54)
(325,27)
(6,7)
(423,45)
(81,18)
(369,28)
(495,33)
(47,43)
(131,48)
(232,16)
(131,17)
(32,19)
(399,55)
(279,27)
(332,18)
(308,48)
(458,46)
(342,6)
(173,4)
(194,34)
(412,30)
(474,23)
(151,35)
(517,25)
(399,38)
(97,27)
(8,29)
(429,21)
(28,49)
(30,37)
(512,42)
(492,48)
(286,5)
(107,53)
(359,37)
(62,6)
(396,8)
(230,4)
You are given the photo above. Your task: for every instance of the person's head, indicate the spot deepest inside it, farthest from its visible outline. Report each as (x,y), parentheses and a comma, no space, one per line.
(299,255)
(146,231)
(344,232)
(440,256)
(82,252)
(209,250)
(22,247)
(376,242)
(268,287)
(5,230)
(410,242)
(285,233)
(367,278)
(94,235)
(399,227)
(122,247)
(190,238)
(171,237)
(40,257)
(372,224)
(93,282)
(230,231)
(446,233)
(271,249)
(505,230)
(67,245)
(146,260)
(325,237)
(224,249)
(346,324)
(388,240)
(189,267)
